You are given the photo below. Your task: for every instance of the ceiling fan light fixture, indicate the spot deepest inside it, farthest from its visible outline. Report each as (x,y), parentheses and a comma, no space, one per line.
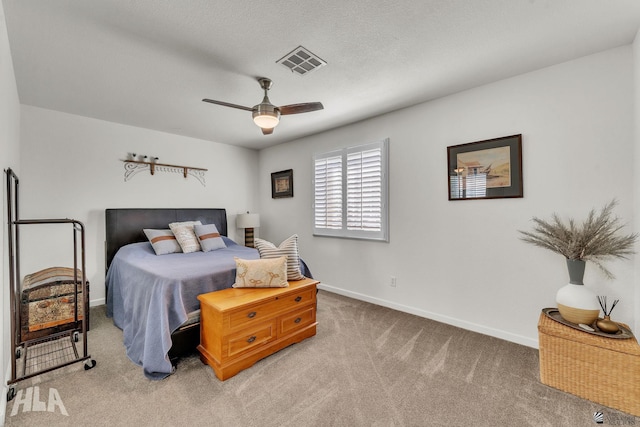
(265,115)
(266,120)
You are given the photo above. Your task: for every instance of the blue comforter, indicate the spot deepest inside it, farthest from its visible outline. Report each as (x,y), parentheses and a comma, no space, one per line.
(150,296)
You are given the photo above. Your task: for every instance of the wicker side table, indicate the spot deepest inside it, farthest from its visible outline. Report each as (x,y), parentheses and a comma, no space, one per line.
(603,370)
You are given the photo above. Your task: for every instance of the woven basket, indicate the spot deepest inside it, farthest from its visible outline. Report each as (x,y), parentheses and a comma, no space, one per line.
(603,370)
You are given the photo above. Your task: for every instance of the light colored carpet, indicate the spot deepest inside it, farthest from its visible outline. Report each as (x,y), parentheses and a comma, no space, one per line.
(367,366)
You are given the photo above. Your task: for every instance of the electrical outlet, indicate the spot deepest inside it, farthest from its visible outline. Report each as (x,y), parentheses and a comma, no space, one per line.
(393,282)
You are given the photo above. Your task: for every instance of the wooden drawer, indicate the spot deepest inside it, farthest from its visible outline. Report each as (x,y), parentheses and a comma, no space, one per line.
(292,322)
(250,338)
(256,313)
(239,326)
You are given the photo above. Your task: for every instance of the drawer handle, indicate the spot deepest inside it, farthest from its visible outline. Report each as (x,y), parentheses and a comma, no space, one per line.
(298,320)
(298,299)
(251,339)
(252,315)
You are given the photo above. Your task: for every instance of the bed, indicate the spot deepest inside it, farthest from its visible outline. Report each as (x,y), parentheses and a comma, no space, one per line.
(153,298)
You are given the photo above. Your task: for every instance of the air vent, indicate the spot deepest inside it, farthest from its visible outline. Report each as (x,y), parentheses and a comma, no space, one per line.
(301,61)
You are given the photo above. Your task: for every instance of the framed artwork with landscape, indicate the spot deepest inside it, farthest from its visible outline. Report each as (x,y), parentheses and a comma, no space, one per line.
(282,184)
(489,169)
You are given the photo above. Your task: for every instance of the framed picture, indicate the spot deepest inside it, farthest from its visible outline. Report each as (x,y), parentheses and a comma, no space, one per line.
(282,184)
(490,169)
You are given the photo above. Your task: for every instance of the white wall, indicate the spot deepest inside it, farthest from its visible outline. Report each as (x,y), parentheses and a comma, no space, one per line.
(9,153)
(72,168)
(462,262)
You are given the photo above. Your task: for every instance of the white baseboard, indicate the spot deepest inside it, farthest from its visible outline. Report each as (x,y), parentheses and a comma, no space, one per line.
(97,302)
(497,333)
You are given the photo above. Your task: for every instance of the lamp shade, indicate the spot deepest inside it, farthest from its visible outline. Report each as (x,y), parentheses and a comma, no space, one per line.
(248,220)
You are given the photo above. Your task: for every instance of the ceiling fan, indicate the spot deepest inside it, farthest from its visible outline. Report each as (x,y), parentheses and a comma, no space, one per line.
(266,115)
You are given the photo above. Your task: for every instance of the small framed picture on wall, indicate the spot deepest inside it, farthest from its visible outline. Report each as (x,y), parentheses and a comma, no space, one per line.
(282,184)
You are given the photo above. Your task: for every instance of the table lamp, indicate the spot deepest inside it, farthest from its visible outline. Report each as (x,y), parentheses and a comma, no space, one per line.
(248,221)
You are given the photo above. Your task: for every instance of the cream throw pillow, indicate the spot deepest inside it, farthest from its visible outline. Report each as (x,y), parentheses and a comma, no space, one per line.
(261,273)
(288,248)
(185,235)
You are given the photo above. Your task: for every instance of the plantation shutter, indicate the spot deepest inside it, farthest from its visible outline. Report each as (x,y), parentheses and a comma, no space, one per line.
(350,192)
(328,192)
(364,190)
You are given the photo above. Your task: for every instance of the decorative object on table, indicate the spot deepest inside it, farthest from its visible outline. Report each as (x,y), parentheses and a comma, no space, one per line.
(623,332)
(597,239)
(576,302)
(489,169)
(607,325)
(248,221)
(282,184)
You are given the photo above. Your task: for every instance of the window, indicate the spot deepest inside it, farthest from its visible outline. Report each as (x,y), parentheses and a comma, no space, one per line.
(350,188)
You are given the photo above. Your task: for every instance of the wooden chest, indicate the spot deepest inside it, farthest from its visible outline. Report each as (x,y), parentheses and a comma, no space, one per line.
(239,326)
(48,302)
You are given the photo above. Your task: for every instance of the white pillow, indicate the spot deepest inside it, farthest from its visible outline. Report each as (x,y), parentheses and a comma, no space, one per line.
(288,248)
(185,235)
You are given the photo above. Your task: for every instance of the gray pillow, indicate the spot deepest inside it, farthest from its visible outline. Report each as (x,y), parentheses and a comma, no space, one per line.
(209,237)
(163,241)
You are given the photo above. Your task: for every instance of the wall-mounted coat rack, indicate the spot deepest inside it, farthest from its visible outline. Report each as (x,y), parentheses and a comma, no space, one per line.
(132,167)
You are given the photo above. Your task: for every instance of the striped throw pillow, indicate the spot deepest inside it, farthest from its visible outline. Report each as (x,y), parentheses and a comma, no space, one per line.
(289,248)
(209,237)
(162,241)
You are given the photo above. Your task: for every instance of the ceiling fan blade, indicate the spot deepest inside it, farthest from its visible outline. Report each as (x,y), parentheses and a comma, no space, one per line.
(227,104)
(266,131)
(307,107)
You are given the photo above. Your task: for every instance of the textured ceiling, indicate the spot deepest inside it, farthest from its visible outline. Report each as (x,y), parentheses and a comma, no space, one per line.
(149,63)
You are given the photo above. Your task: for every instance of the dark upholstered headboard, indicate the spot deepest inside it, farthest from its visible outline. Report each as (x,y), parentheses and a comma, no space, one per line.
(124,226)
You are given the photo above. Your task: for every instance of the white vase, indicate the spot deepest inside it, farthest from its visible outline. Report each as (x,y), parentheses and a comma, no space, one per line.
(577,303)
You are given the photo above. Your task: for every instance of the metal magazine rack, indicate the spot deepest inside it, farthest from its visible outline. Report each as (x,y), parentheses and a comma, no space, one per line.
(52,345)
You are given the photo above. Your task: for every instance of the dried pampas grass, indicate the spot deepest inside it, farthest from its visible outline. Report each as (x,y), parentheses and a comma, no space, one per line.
(597,239)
